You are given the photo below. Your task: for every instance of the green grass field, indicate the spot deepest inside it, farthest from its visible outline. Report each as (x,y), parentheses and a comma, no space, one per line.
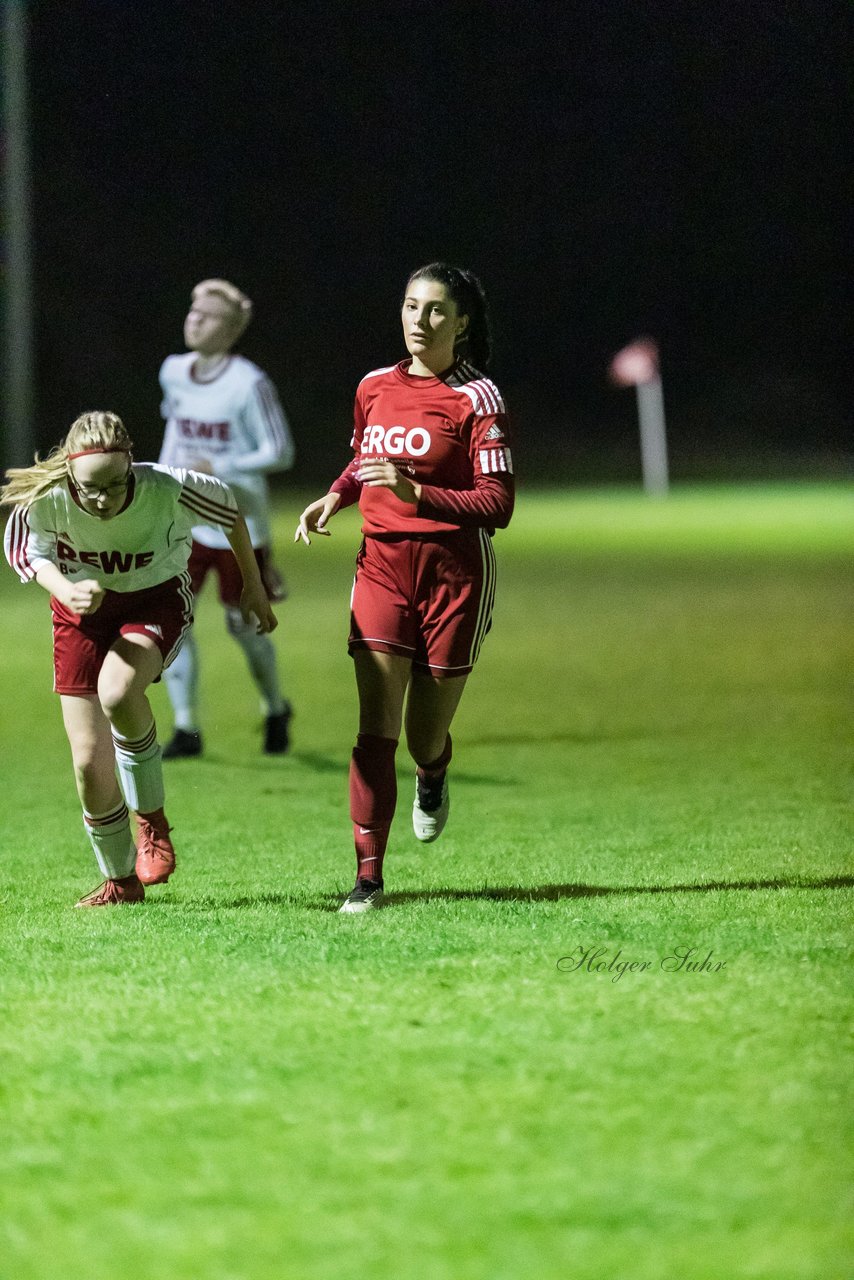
(233,1082)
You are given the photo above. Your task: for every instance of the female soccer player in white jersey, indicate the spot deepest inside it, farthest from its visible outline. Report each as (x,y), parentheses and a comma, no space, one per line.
(109,539)
(223,418)
(433,476)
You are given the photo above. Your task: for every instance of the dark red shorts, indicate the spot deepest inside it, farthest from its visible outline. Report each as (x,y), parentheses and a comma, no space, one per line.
(221,561)
(428,599)
(80,644)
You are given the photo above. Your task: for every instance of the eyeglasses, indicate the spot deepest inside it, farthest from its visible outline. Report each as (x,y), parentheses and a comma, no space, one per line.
(95,490)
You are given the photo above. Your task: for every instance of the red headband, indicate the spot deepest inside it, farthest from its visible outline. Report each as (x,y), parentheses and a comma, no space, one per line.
(112,448)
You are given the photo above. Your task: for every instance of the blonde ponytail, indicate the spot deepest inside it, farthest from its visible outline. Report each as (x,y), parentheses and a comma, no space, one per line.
(96,430)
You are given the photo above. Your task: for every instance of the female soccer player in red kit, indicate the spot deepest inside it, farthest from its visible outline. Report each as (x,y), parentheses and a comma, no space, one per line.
(433,477)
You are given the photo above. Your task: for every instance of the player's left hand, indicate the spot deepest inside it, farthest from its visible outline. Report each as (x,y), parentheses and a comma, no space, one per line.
(254,604)
(383,474)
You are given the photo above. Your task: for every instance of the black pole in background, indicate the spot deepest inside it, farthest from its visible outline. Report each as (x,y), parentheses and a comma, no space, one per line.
(17,424)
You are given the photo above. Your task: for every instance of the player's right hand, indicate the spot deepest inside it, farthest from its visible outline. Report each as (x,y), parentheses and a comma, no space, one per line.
(255,607)
(85,597)
(315,517)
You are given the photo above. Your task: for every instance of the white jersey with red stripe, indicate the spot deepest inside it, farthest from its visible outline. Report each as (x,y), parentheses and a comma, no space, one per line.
(449,434)
(235,423)
(146,543)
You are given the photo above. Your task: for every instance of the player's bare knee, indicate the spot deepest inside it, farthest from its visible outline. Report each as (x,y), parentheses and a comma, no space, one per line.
(114,695)
(424,748)
(88,766)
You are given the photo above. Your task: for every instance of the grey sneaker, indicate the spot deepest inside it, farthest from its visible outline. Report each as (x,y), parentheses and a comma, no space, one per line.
(367,896)
(430,810)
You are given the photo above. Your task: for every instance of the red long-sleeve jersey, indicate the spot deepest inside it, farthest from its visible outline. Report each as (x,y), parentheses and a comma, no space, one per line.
(448,434)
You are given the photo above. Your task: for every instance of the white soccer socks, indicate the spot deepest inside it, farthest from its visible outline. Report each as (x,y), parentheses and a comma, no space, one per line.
(110,837)
(261,656)
(140,770)
(181,678)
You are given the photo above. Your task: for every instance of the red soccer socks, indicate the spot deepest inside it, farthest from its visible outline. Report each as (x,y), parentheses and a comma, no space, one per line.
(373,796)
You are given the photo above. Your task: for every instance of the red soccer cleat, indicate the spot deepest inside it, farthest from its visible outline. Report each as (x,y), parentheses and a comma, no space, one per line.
(113,892)
(155,858)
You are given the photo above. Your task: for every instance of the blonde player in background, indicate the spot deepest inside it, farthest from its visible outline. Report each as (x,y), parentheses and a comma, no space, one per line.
(223,418)
(109,539)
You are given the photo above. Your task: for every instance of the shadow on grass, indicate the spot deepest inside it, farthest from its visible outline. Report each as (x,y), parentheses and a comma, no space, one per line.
(319,763)
(495,893)
(557,892)
(187,768)
(509,893)
(246,902)
(336,764)
(579,738)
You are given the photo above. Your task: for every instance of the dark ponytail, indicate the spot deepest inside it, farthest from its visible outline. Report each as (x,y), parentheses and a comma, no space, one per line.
(475,344)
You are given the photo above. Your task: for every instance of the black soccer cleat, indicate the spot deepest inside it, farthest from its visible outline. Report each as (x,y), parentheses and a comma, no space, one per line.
(277,732)
(186,742)
(367,896)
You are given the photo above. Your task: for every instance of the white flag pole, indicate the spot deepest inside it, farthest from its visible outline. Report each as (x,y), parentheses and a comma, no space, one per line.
(637,366)
(653,436)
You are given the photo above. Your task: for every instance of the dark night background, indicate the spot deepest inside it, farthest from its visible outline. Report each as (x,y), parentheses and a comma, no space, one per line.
(607,168)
